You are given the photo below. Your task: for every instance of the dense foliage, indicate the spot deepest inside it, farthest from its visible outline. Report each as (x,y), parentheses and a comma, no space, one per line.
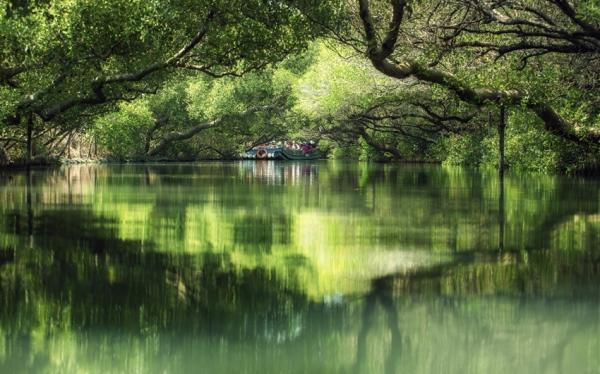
(377,80)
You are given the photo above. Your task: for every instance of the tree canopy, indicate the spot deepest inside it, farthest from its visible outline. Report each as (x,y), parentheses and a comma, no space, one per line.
(379,79)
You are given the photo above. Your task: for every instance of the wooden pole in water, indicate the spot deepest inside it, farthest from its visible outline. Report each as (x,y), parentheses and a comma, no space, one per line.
(29,138)
(28,187)
(501,212)
(501,167)
(501,131)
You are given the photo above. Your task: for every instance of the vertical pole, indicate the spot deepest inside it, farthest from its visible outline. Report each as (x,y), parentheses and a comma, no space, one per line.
(29,138)
(501,130)
(501,212)
(69,146)
(501,167)
(29,186)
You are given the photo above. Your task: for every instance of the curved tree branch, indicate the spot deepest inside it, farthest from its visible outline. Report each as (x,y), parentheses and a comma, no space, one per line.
(98,96)
(199,127)
(553,122)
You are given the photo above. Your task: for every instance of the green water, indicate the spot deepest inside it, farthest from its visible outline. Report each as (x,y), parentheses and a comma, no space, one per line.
(297,268)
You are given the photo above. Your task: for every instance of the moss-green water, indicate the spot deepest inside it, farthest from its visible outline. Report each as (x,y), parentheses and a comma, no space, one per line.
(297,267)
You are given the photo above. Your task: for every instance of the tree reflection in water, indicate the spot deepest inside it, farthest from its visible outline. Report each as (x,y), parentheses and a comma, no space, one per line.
(373,268)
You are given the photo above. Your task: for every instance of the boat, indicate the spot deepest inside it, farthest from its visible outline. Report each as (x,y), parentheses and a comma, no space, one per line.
(275,151)
(297,155)
(264,153)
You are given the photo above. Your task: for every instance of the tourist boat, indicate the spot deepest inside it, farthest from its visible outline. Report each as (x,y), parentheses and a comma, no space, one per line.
(291,154)
(278,152)
(264,153)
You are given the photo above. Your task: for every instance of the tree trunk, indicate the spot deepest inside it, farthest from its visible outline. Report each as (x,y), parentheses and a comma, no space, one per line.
(4,157)
(379,146)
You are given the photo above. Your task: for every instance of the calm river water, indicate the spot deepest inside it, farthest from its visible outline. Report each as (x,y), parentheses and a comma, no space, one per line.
(266,267)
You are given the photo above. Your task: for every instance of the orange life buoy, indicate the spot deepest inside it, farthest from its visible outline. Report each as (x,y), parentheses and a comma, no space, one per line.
(261,153)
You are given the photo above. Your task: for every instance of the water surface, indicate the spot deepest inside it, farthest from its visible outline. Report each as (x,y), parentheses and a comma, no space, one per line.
(297,268)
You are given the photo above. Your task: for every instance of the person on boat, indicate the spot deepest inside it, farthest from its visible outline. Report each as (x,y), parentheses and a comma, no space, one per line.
(307,148)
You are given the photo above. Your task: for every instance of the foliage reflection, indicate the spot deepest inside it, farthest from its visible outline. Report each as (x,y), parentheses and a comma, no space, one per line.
(285,267)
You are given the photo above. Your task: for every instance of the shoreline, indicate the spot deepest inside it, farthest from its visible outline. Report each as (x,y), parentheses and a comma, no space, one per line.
(593,172)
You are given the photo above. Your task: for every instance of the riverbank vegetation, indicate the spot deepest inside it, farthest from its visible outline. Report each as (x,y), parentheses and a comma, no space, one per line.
(407,80)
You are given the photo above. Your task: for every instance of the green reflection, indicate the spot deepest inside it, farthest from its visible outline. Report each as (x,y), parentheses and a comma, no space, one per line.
(283,267)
